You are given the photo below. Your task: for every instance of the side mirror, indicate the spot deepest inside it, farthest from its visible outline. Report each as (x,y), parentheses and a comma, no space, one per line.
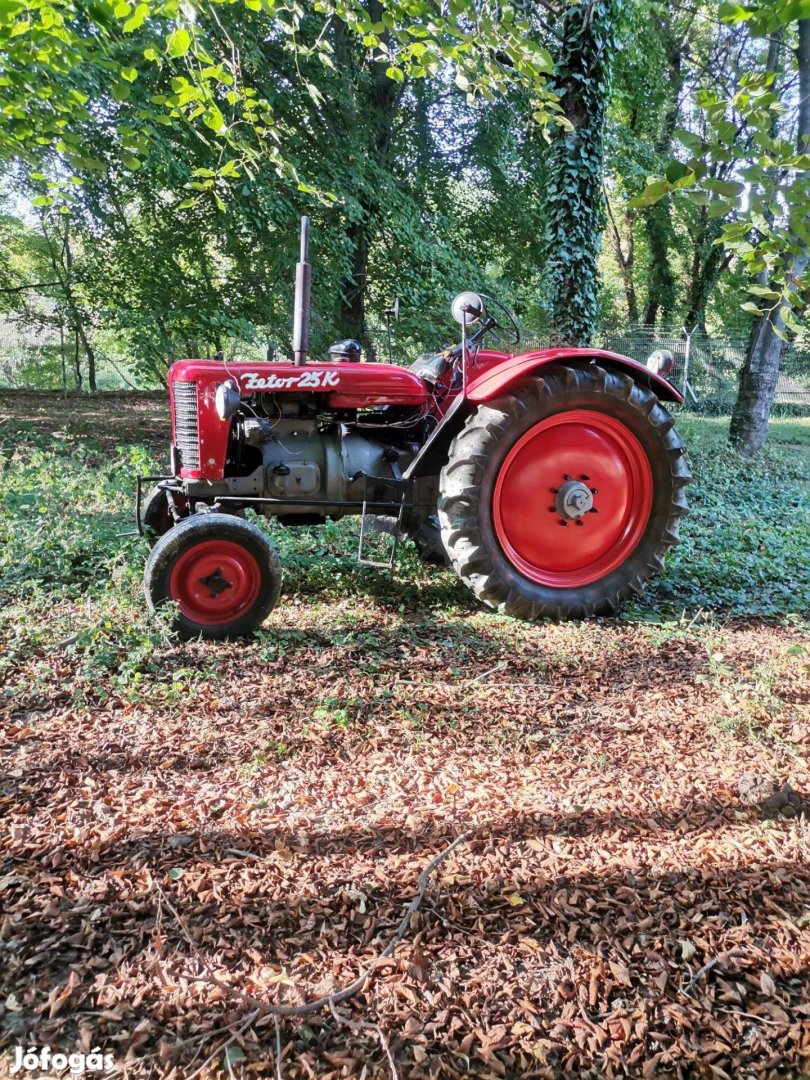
(467,308)
(661,362)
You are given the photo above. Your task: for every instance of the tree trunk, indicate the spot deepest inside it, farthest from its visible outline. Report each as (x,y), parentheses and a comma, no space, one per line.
(63,354)
(63,269)
(77,361)
(377,109)
(78,315)
(660,279)
(625,260)
(575,215)
(352,310)
(91,357)
(760,372)
(708,262)
(658,218)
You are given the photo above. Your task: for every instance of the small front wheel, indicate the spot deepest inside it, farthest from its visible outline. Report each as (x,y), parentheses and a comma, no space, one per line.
(156,516)
(223,573)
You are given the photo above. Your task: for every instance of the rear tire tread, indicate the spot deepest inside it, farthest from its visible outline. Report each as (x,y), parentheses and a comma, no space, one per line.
(489,427)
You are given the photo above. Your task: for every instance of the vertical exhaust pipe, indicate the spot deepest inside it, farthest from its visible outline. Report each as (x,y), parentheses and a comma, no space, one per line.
(303,287)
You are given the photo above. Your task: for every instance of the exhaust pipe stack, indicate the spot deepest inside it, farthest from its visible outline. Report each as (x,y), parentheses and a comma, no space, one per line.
(303,288)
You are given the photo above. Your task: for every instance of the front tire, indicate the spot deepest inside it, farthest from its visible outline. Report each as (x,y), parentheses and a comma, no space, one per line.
(156,516)
(560,499)
(223,573)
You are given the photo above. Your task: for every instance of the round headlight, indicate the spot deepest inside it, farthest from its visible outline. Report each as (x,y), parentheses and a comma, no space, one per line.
(227,400)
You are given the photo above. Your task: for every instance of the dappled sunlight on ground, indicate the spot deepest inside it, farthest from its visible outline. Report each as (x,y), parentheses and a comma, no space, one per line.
(623,905)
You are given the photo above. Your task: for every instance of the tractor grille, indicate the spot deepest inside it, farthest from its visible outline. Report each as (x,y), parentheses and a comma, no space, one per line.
(185,424)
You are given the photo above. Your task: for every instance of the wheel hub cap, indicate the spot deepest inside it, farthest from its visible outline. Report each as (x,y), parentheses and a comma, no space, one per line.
(582,469)
(573,500)
(215,582)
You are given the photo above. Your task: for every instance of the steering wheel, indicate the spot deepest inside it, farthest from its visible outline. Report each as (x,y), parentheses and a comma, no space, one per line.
(505,332)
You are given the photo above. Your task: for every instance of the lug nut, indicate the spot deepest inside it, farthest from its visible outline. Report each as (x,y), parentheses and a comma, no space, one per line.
(593,510)
(553,490)
(579,522)
(594,491)
(561,522)
(584,477)
(552,509)
(566,477)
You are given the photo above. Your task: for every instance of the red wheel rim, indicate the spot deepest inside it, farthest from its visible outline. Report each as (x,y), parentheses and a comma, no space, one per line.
(604,455)
(215,582)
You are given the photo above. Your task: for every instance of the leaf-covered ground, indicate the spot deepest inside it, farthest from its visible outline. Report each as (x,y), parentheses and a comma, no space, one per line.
(631,904)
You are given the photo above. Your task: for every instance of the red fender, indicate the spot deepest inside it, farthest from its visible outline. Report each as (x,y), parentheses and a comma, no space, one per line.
(495,380)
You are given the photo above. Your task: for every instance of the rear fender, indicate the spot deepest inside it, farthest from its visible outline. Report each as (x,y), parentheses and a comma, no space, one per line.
(498,379)
(504,374)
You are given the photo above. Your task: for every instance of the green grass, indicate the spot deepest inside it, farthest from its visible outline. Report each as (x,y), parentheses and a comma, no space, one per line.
(791,431)
(745,543)
(70,566)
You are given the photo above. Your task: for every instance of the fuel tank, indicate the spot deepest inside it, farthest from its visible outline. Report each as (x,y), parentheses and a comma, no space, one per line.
(344,384)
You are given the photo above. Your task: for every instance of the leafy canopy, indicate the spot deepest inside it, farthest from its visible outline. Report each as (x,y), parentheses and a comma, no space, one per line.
(766,203)
(66,65)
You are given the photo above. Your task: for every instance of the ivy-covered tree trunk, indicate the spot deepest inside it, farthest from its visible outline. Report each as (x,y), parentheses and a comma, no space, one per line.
(575,214)
(760,372)
(660,279)
(658,218)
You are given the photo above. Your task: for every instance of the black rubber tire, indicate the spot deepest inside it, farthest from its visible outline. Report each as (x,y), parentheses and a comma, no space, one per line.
(203,527)
(477,453)
(156,517)
(426,536)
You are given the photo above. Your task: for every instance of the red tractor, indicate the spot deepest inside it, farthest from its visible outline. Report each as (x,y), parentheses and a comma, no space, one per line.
(482,456)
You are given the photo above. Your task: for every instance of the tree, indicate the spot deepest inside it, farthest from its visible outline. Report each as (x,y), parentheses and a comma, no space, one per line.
(575,168)
(741,169)
(229,119)
(760,372)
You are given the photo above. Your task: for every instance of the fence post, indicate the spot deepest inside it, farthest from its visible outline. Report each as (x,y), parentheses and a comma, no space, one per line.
(64,358)
(687,386)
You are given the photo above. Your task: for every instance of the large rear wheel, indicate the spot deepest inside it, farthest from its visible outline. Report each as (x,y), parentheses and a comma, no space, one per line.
(560,499)
(426,535)
(223,573)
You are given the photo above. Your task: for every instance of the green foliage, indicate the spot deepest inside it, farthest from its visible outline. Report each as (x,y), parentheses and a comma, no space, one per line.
(61,538)
(574,190)
(71,567)
(173,147)
(744,545)
(746,174)
(67,68)
(190,254)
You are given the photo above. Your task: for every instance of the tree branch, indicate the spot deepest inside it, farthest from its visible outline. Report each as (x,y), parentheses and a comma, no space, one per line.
(34,285)
(328,1000)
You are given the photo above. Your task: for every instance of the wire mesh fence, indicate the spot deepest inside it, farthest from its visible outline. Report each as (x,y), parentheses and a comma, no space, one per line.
(707,367)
